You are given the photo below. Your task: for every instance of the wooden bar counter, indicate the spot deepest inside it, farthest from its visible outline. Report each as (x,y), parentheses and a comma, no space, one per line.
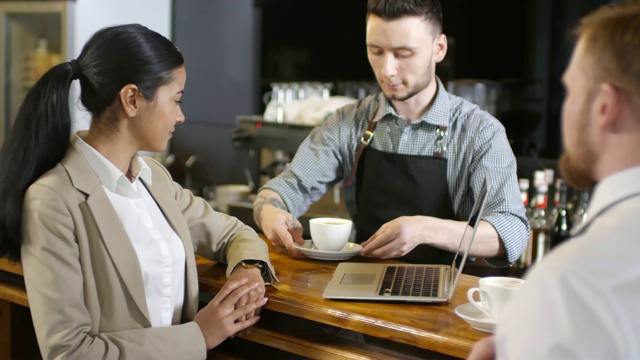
(17,337)
(299,323)
(298,320)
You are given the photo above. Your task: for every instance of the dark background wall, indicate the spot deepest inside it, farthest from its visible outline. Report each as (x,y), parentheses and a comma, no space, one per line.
(235,48)
(220,42)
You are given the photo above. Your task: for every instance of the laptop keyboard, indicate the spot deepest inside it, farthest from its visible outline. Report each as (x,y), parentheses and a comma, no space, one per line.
(407,280)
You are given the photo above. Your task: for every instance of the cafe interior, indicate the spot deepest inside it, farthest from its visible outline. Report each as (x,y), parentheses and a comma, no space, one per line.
(261,75)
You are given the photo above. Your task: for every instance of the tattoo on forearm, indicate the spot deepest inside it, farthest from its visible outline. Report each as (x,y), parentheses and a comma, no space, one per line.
(259,203)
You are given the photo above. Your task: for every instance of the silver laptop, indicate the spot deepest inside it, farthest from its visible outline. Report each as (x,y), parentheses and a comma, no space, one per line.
(406,282)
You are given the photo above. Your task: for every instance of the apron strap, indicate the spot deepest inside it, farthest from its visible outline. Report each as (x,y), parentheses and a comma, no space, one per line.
(364,141)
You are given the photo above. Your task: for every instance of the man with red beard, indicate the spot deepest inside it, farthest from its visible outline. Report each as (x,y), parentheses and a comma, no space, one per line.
(412,157)
(581,301)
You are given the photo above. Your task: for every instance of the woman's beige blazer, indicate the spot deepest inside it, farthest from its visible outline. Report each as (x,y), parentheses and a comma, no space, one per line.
(82,275)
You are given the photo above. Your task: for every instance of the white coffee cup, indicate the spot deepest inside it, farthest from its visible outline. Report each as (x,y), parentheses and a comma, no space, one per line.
(330,234)
(495,292)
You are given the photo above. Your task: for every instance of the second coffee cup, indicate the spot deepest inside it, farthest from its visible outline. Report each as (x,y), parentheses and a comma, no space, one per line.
(495,292)
(330,234)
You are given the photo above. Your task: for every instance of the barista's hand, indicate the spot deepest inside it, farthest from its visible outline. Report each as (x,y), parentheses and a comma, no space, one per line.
(401,235)
(277,224)
(220,318)
(282,229)
(483,349)
(395,238)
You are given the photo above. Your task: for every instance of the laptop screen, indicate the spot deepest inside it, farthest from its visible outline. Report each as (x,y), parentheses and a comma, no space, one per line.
(472,227)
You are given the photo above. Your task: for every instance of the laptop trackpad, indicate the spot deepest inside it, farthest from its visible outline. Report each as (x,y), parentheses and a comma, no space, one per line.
(358,279)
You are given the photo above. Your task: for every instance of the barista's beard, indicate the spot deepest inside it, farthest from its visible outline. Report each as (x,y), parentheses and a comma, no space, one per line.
(419,86)
(577,168)
(575,172)
(413,91)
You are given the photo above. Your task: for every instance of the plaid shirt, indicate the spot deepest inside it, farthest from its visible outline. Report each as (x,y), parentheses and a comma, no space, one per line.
(475,142)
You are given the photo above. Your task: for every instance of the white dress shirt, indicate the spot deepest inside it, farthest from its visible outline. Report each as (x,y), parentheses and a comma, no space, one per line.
(583,300)
(159,249)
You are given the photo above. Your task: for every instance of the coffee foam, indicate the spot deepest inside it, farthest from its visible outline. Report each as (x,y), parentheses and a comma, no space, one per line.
(506,283)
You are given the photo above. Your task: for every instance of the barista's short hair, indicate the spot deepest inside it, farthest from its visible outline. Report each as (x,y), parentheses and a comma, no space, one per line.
(430,10)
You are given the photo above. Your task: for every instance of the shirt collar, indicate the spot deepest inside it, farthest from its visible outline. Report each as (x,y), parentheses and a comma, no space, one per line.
(108,174)
(437,114)
(611,190)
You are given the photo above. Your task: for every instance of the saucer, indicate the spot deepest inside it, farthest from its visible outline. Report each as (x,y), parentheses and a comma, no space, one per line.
(348,251)
(476,318)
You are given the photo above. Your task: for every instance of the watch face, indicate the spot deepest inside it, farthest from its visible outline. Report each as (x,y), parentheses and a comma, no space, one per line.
(264,269)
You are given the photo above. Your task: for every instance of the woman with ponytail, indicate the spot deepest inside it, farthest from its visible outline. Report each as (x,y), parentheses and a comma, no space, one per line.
(105,237)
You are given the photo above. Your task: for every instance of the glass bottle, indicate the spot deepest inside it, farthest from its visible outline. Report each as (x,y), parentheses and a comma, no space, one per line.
(553,211)
(561,229)
(538,180)
(539,240)
(549,176)
(523,184)
(580,210)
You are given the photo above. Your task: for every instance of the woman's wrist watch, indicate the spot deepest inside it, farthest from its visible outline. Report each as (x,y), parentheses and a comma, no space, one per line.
(264,269)
(250,264)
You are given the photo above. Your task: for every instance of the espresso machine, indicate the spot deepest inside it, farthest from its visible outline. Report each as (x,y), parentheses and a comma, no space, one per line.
(269,145)
(272,138)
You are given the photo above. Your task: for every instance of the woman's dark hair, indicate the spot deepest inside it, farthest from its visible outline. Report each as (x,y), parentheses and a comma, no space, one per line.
(39,138)
(430,10)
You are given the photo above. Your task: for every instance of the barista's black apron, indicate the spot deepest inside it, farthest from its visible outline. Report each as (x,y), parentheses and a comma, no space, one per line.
(390,185)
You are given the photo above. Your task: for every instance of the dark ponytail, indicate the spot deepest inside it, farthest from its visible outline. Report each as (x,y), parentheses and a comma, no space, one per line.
(39,138)
(36,142)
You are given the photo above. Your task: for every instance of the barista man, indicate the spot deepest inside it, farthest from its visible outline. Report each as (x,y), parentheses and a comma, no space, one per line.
(411,189)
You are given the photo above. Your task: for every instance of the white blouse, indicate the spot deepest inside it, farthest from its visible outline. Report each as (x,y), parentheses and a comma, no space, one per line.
(158,247)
